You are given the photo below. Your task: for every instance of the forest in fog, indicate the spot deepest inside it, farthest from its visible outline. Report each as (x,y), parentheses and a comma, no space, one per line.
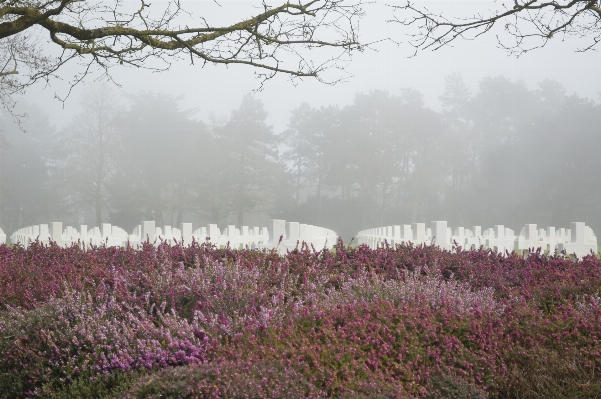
(503,154)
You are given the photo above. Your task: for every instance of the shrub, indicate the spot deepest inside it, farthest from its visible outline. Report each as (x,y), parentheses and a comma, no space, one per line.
(399,321)
(240,379)
(449,387)
(52,345)
(104,386)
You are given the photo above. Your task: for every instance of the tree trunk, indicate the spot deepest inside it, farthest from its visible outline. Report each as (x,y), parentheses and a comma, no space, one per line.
(298,171)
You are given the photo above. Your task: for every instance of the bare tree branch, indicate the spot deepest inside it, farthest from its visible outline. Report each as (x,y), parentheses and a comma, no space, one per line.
(529,23)
(102,34)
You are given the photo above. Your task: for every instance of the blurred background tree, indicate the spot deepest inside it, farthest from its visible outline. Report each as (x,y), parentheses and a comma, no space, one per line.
(504,154)
(89,148)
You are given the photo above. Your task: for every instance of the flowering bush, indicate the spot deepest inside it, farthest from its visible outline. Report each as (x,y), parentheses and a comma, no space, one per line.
(398,321)
(65,338)
(419,287)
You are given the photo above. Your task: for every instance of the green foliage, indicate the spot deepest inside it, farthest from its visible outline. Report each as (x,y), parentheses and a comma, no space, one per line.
(548,374)
(255,380)
(99,387)
(445,386)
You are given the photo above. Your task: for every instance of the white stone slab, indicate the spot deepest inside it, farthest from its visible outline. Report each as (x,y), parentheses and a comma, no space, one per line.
(440,236)
(292,231)
(277,230)
(185,233)
(582,243)
(56,231)
(148,231)
(419,233)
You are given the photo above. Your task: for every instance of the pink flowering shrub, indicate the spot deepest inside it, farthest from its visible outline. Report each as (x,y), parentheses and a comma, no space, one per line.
(407,346)
(420,287)
(78,335)
(399,321)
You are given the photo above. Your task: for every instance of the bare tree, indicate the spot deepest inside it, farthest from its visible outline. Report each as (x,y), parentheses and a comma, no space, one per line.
(103,34)
(530,24)
(17,52)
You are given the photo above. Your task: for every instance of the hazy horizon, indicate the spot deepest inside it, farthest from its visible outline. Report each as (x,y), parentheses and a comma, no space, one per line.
(215,92)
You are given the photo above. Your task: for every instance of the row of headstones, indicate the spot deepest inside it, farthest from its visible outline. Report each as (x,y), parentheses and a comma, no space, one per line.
(291,233)
(579,239)
(288,235)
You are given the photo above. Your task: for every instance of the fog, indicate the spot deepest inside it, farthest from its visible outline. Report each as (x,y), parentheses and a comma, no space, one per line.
(467,134)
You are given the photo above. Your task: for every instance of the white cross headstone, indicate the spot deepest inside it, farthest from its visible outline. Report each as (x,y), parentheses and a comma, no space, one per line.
(582,243)
(277,230)
(406,233)
(529,239)
(439,234)
(213,232)
(499,241)
(292,232)
(186,233)
(148,231)
(419,231)
(475,240)
(551,240)
(106,230)
(459,236)
(168,233)
(56,231)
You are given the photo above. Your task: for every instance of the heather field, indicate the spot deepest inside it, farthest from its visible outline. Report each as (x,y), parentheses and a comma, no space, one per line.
(202,322)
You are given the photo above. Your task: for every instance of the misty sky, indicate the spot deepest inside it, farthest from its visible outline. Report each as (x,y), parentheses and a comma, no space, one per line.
(216,90)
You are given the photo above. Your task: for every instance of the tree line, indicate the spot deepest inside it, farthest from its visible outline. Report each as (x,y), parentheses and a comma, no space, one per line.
(504,154)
